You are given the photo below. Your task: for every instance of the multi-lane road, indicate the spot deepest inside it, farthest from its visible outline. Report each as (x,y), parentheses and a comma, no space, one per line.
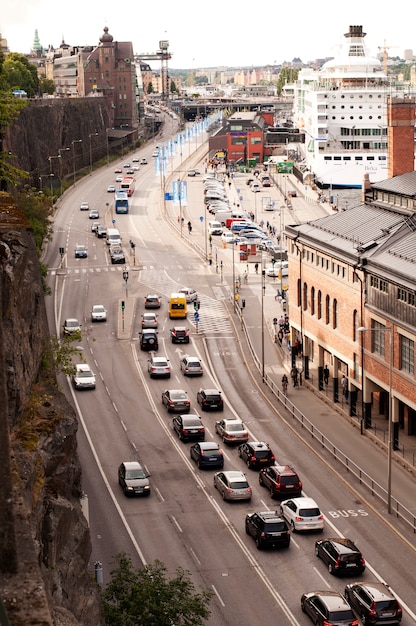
(184,522)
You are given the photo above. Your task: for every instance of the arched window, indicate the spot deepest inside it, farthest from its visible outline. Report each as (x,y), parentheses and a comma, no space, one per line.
(313,301)
(299,293)
(319,305)
(355,325)
(305,296)
(334,313)
(327,310)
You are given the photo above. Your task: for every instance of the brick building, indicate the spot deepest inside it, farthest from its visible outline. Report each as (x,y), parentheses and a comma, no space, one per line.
(242,137)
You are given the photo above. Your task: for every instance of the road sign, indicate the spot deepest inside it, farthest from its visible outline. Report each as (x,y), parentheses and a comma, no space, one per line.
(196,316)
(113,221)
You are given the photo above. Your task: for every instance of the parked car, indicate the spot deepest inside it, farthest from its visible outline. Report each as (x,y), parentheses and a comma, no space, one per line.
(256,454)
(191,366)
(190,294)
(374,603)
(179,334)
(158,367)
(189,427)
(98,313)
(148,339)
(81,251)
(268,529)
(71,326)
(117,255)
(133,479)
(152,301)
(149,320)
(232,485)
(176,400)
(231,431)
(281,480)
(302,514)
(84,377)
(207,454)
(328,607)
(210,400)
(341,555)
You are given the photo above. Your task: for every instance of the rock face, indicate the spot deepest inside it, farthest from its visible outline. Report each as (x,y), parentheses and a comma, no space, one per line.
(52,583)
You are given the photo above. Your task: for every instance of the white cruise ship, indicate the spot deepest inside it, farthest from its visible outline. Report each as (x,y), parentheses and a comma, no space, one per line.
(342,109)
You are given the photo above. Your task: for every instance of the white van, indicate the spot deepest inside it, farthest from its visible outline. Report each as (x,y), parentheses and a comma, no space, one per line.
(113,237)
(223,216)
(214,228)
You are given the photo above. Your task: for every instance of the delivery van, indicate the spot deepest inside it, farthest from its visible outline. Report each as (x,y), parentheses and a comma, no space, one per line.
(214,227)
(236,217)
(177,306)
(113,237)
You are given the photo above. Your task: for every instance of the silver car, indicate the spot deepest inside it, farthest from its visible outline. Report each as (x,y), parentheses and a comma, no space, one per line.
(149,320)
(191,366)
(232,485)
(158,366)
(83,378)
(98,313)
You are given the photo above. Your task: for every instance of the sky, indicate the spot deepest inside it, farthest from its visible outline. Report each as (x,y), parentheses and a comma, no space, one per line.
(208,34)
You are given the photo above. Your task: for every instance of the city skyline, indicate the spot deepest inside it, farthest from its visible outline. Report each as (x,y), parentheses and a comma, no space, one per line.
(219,36)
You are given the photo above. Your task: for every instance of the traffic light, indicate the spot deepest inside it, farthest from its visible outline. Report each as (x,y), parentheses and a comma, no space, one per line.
(273,261)
(122,305)
(197,304)
(243,303)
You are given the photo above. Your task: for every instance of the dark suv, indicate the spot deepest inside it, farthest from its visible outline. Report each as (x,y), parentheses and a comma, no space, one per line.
(268,529)
(374,603)
(210,400)
(281,480)
(179,334)
(256,454)
(148,339)
(341,556)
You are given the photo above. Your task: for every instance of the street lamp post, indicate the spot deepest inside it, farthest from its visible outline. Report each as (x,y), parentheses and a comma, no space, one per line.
(73,153)
(89,137)
(386,329)
(61,170)
(51,174)
(106,137)
(263,290)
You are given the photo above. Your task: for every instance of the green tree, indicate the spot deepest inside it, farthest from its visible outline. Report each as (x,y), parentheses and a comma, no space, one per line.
(173,88)
(286,75)
(19,73)
(150,88)
(46,85)
(145,597)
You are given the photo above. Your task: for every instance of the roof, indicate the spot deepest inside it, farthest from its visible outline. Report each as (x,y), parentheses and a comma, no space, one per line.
(405,184)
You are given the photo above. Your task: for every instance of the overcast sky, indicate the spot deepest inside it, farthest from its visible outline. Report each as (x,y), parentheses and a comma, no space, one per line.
(209,34)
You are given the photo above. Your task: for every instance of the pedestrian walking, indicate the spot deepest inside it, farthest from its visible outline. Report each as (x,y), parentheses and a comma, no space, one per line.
(344,385)
(294,376)
(326,374)
(189,227)
(256,268)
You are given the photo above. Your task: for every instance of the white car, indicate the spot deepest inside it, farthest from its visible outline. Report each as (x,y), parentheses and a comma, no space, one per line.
(149,320)
(84,377)
(84,206)
(190,294)
(278,269)
(302,514)
(228,237)
(143,161)
(158,366)
(119,179)
(111,189)
(98,313)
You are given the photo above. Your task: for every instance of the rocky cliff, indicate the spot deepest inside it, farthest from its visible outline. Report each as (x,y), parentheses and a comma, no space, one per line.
(45,576)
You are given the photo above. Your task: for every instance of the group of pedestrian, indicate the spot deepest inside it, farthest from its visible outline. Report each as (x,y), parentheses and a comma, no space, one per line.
(283,334)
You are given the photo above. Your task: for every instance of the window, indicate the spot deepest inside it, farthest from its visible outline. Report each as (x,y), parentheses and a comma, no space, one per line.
(319,305)
(299,290)
(305,296)
(334,313)
(327,310)
(313,301)
(407,355)
(355,325)
(378,338)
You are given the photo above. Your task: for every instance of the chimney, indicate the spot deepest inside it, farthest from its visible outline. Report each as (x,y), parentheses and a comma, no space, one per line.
(401,126)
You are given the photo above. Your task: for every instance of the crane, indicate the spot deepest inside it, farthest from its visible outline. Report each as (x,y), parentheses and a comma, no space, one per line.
(384,49)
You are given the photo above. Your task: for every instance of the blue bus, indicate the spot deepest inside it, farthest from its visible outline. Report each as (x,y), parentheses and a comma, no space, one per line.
(121,201)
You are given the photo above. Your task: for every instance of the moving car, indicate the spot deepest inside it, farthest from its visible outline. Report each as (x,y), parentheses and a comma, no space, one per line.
(268,529)
(94,214)
(210,400)
(118,170)
(152,301)
(191,366)
(231,431)
(281,480)
(84,206)
(327,608)
(117,255)
(179,334)
(84,377)
(256,454)
(119,179)
(81,252)
(133,479)
(232,485)
(148,339)
(189,427)
(207,454)
(158,367)
(341,555)
(101,231)
(149,320)
(95,226)
(374,603)
(143,161)
(127,166)
(98,313)
(71,325)
(176,400)
(190,294)
(302,514)
(111,189)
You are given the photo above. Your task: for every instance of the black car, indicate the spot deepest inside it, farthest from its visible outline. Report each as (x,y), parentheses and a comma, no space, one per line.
(374,603)
(256,454)
(148,339)
(210,400)
(179,334)
(328,607)
(189,427)
(269,529)
(133,479)
(207,454)
(117,255)
(281,480)
(341,555)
